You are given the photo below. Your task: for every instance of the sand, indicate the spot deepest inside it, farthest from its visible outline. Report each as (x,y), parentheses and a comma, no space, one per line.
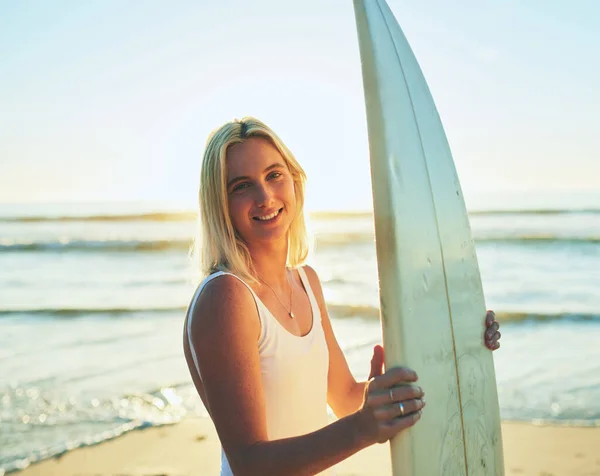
(192,448)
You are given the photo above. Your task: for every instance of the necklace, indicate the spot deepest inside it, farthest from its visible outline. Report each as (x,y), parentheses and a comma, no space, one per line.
(290,312)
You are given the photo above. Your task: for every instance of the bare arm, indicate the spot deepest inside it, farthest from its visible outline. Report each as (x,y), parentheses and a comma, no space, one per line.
(225,330)
(344,394)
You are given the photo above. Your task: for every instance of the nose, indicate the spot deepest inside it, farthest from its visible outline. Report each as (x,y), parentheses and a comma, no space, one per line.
(264,195)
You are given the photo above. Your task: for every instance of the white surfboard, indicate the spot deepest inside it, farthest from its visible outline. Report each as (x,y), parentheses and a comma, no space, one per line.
(432,305)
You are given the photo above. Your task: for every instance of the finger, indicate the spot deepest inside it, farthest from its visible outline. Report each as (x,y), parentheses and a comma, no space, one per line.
(393,377)
(396,425)
(399,409)
(376,362)
(490,340)
(492,345)
(490,317)
(492,330)
(380,397)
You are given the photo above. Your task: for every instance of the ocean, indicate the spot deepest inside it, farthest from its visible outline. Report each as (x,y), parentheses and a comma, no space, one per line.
(92,302)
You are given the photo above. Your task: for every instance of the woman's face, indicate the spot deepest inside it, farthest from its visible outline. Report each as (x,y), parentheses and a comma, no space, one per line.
(260,189)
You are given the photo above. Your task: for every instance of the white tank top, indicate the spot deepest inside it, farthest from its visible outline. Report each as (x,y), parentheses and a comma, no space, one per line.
(293,371)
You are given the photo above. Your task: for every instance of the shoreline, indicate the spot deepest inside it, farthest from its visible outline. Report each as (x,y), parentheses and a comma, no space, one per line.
(191,447)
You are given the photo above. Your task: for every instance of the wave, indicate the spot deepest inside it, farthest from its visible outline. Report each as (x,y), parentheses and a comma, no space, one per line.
(336,239)
(341,311)
(24,461)
(322,242)
(183,245)
(316,215)
(541,211)
(78,312)
(507,211)
(538,239)
(559,316)
(87,425)
(98,246)
(154,216)
(162,216)
(336,311)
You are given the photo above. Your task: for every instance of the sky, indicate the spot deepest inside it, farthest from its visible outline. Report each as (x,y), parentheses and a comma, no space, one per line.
(109,100)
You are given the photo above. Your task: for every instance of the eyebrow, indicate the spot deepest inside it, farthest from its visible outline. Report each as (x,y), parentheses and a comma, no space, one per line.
(276,165)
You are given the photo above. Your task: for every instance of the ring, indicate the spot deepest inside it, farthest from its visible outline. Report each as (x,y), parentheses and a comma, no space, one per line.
(391,395)
(401,408)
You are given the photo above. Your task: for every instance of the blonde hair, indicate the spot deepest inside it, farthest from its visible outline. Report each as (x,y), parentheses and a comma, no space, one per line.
(218,246)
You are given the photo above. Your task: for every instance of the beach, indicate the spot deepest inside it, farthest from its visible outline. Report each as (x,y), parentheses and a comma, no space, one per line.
(101,379)
(107,110)
(192,448)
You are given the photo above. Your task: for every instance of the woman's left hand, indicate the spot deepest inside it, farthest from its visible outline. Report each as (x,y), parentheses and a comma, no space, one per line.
(492,334)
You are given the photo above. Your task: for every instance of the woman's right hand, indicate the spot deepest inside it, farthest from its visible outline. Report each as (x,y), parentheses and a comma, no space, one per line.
(392,401)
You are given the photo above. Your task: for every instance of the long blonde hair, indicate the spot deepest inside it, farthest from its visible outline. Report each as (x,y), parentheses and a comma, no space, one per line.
(218,246)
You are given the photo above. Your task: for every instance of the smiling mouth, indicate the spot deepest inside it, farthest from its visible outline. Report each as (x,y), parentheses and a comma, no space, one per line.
(268,217)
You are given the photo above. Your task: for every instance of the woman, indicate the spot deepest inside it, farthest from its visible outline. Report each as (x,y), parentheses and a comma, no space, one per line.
(258,339)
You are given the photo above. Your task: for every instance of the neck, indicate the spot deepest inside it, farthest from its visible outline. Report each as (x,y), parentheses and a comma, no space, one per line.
(269,263)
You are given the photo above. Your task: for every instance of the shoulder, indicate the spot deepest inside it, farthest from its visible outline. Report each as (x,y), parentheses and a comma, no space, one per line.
(311,274)
(315,283)
(225,285)
(224,302)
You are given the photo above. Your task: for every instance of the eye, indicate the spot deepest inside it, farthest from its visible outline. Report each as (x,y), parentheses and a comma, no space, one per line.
(240,186)
(275,175)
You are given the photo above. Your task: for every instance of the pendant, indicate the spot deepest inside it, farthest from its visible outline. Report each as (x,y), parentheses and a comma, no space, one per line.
(292,315)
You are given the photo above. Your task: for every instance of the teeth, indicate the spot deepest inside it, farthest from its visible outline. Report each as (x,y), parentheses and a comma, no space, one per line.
(268,217)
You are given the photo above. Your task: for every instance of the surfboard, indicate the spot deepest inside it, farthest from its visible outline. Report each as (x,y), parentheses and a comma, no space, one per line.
(431,298)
